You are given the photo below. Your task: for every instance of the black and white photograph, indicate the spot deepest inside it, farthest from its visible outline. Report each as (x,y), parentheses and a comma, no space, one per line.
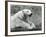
(25,18)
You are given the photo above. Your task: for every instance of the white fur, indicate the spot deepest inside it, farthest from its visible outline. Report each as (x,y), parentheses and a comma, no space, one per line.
(16,22)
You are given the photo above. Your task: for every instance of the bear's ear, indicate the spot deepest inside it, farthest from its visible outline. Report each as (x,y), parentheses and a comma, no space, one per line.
(30,15)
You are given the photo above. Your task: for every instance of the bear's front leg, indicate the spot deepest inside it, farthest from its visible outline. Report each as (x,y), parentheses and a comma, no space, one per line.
(31,24)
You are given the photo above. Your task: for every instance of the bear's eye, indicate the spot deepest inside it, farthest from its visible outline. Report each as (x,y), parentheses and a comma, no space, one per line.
(27,11)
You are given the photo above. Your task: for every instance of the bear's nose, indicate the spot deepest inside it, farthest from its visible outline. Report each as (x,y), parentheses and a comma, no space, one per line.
(30,15)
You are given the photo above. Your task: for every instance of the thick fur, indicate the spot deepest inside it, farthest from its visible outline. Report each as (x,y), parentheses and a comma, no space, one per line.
(21,19)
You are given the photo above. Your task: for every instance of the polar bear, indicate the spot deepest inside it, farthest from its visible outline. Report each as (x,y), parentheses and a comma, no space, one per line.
(21,19)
